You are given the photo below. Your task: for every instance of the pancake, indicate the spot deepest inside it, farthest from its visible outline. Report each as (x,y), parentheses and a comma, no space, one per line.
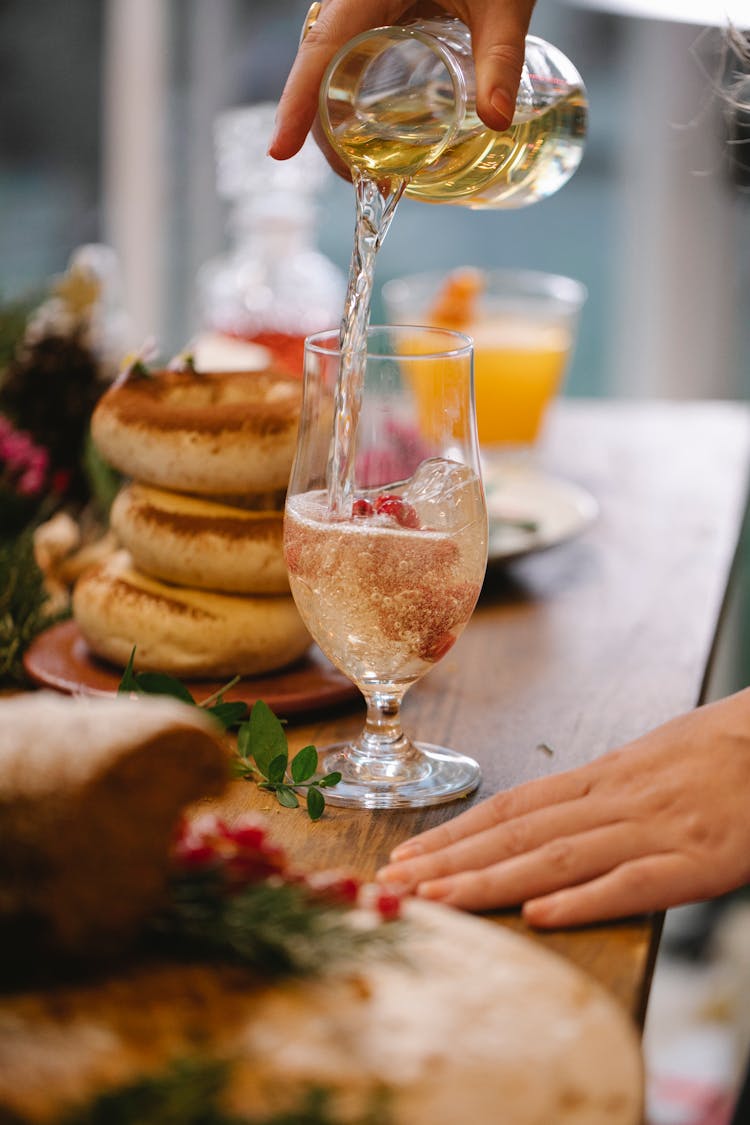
(184,632)
(210,433)
(198,543)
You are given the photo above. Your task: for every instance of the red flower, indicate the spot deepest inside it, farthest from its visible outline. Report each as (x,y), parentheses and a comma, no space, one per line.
(23,464)
(60,481)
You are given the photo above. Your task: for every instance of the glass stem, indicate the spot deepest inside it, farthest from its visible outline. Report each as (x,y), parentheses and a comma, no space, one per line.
(382,736)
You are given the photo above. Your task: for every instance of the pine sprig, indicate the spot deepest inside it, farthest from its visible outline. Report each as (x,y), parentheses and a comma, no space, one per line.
(263,751)
(187,1093)
(190,1092)
(278,928)
(24,605)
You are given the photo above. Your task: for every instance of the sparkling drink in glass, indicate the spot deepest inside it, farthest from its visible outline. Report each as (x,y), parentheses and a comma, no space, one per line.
(387,577)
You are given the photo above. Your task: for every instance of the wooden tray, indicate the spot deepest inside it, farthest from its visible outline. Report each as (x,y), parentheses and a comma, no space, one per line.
(59,658)
(460,1020)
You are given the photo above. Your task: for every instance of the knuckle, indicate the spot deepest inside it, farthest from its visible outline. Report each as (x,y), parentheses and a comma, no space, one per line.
(505,54)
(515,838)
(559,855)
(697,831)
(663,801)
(451,863)
(445,837)
(327,31)
(480,885)
(499,804)
(318,35)
(636,880)
(509,803)
(434,866)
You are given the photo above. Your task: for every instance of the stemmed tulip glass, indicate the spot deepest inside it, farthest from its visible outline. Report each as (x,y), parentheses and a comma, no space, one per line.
(385,538)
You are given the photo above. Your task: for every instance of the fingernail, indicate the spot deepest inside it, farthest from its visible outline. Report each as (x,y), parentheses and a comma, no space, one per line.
(275,135)
(539,912)
(435,890)
(392,878)
(503,105)
(407,850)
(394,885)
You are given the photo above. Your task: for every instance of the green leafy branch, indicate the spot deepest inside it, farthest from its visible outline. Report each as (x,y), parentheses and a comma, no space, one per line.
(192,1092)
(280,929)
(262,746)
(229,715)
(263,750)
(25,608)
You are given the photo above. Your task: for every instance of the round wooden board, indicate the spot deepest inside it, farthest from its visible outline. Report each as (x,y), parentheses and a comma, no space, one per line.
(59,658)
(461,1020)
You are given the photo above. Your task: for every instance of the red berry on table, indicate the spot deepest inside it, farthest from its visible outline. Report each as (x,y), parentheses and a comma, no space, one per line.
(335,887)
(191,856)
(390,504)
(362,508)
(247,835)
(388,906)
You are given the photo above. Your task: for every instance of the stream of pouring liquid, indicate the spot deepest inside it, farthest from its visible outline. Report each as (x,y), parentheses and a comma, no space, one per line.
(376,206)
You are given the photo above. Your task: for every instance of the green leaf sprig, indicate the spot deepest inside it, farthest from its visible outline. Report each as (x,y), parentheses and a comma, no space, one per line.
(262,749)
(159,683)
(192,1091)
(138,370)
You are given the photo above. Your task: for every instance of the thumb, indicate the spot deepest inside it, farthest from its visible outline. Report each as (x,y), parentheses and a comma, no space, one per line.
(498,38)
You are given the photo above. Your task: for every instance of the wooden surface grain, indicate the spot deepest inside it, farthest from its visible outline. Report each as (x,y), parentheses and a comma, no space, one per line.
(576,649)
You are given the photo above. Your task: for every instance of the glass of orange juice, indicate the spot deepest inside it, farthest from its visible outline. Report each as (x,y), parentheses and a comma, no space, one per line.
(524,326)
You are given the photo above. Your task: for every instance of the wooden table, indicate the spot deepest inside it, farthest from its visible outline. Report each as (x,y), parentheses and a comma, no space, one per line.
(579,648)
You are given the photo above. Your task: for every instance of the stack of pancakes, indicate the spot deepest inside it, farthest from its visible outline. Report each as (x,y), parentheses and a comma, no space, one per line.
(200,587)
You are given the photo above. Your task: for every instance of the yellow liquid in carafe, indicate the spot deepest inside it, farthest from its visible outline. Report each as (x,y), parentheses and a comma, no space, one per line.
(481,168)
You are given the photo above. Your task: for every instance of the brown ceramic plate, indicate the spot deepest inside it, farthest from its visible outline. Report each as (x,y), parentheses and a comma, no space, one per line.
(59,658)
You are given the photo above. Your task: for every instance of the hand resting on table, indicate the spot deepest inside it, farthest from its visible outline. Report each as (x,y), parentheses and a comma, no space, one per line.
(659,822)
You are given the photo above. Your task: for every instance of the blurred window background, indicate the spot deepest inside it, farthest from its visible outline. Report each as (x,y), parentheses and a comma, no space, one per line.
(106,134)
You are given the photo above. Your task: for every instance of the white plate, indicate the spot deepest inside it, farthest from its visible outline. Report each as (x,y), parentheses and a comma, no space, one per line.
(213,351)
(519,493)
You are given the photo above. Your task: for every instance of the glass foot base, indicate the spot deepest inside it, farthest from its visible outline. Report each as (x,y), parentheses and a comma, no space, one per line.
(432,776)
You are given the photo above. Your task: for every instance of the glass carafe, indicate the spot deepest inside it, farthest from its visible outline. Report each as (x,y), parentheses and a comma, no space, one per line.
(399,103)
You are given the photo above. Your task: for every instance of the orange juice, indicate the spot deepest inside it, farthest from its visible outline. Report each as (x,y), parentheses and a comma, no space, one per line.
(436,390)
(523,325)
(518,369)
